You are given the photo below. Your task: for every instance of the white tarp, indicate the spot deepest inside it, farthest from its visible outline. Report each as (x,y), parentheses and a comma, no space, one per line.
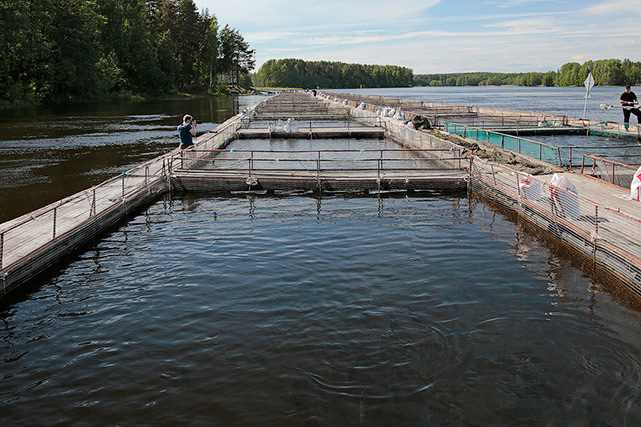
(531,188)
(565,197)
(635,187)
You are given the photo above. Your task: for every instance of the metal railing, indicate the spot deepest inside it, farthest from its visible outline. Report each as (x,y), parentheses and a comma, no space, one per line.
(382,161)
(608,232)
(310,125)
(527,147)
(569,156)
(30,232)
(613,171)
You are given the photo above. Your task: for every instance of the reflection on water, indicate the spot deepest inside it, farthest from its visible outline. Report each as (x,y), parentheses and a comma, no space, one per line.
(299,311)
(46,155)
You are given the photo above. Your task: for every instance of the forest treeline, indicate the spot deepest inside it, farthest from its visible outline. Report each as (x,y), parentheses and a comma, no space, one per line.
(606,72)
(61,51)
(324,74)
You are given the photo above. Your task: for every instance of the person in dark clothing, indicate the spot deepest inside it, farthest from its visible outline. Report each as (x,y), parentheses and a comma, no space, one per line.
(630,104)
(187,130)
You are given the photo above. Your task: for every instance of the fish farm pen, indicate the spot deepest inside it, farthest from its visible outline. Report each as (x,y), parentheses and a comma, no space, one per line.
(295,143)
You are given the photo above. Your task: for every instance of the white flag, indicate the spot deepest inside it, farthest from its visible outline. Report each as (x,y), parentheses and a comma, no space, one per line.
(589,84)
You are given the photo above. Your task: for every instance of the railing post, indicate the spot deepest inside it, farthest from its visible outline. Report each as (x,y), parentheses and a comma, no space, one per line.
(93,203)
(381,160)
(123,186)
(596,224)
(318,181)
(503,142)
(146,176)
(613,171)
(570,155)
(1,249)
(55,218)
(540,152)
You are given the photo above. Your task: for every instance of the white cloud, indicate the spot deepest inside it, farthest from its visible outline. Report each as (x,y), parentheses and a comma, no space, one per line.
(407,32)
(267,13)
(614,7)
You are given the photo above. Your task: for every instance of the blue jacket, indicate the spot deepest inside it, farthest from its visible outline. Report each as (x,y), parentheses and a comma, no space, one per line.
(185,135)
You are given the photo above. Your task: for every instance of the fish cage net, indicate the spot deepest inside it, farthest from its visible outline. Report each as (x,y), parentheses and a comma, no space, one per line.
(594,228)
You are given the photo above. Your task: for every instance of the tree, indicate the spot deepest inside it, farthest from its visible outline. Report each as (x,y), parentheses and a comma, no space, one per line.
(324,74)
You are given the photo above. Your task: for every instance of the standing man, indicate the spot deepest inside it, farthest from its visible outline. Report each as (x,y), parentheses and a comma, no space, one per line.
(629,103)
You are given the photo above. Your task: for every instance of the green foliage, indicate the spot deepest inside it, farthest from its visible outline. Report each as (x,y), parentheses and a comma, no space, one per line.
(606,72)
(60,51)
(324,74)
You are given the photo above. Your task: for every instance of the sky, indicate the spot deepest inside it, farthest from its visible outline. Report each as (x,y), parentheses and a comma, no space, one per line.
(438,36)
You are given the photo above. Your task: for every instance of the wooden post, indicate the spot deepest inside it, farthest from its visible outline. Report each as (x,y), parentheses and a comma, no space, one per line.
(1,249)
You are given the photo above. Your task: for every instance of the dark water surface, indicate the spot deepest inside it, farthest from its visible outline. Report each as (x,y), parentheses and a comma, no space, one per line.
(46,155)
(338,312)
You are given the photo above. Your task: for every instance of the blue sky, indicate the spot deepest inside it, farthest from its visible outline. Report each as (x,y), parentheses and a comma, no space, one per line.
(433,36)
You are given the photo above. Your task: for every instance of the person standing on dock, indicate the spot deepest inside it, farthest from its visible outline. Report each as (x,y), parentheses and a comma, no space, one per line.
(630,104)
(187,131)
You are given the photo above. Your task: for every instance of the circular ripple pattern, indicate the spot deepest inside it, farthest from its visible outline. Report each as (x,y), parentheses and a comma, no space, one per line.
(294,311)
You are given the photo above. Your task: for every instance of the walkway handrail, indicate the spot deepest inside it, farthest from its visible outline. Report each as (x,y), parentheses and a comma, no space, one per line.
(145,175)
(609,167)
(451,126)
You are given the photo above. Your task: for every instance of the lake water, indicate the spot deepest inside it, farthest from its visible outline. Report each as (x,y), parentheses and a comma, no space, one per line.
(563,101)
(288,311)
(46,155)
(297,311)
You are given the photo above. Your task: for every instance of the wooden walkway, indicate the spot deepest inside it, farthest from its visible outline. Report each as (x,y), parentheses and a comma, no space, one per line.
(314,133)
(326,182)
(34,242)
(31,243)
